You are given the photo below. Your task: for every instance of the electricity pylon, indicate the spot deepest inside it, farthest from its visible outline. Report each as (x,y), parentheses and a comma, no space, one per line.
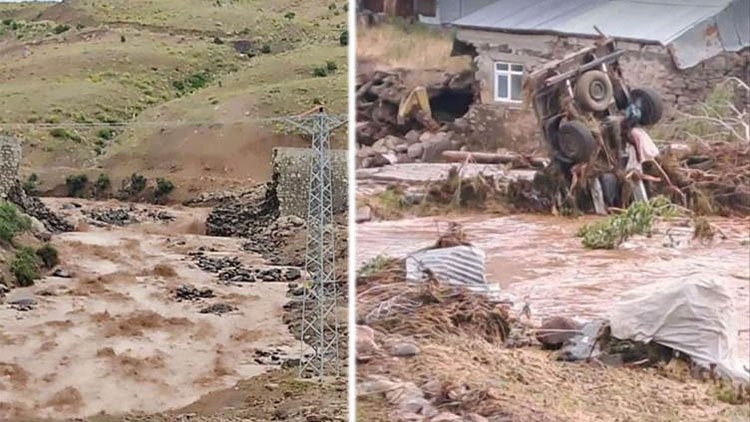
(320,321)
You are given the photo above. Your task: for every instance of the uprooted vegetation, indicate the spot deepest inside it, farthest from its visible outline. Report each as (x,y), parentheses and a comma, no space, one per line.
(433,350)
(455,193)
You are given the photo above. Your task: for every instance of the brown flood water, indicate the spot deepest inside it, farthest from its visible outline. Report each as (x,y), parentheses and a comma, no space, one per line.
(539,260)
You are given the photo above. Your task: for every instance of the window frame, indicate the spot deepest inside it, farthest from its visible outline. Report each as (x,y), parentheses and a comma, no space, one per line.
(509,73)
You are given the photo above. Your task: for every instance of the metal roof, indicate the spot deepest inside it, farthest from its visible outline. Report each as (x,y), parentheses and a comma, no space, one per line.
(685,23)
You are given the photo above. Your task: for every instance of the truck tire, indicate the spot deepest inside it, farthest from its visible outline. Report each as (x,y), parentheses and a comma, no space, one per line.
(575,141)
(650,104)
(594,90)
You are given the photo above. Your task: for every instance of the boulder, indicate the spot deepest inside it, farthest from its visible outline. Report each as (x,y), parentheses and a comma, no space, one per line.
(555,331)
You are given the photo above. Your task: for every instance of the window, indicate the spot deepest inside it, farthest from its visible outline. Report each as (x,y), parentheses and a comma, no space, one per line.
(508,82)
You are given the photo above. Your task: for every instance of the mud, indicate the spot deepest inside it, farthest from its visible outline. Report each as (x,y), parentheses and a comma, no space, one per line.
(539,260)
(112,338)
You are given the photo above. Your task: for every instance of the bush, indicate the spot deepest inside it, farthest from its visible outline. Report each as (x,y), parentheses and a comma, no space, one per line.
(331,66)
(49,256)
(25,267)
(193,82)
(7,22)
(163,187)
(106,134)
(290,15)
(76,184)
(137,183)
(266,49)
(320,72)
(11,221)
(59,29)
(62,133)
(31,184)
(102,183)
(344,38)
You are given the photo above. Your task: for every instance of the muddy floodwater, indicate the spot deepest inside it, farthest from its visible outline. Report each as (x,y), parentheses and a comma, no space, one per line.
(539,260)
(113,338)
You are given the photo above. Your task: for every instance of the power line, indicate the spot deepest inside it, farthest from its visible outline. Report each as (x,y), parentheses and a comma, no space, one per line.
(74,125)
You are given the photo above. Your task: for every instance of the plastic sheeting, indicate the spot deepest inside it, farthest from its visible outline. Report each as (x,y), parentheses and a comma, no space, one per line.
(456,265)
(695,317)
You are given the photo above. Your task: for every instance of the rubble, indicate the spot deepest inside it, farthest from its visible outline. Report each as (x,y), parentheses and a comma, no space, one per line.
(385,137)
(231,270)
(33,207)
(218,309)
(190,293)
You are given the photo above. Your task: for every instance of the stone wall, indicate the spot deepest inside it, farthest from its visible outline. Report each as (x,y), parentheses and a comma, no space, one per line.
(642,65)
(10,159)
(291,172)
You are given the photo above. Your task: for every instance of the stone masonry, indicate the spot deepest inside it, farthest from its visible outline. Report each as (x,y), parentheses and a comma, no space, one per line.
(291,170)
(10,159)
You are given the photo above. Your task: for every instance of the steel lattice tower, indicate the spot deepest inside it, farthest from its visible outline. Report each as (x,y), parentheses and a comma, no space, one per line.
(320,322)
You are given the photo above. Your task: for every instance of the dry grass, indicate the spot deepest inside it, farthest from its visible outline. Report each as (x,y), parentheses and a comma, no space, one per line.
(415,47)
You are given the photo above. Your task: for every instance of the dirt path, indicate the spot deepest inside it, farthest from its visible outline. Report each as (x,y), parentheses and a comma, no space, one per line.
(113,339)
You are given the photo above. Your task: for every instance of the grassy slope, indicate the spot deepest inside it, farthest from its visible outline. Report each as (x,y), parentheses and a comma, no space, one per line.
(87,74)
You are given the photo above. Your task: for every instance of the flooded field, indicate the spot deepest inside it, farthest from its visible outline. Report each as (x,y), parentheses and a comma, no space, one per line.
(539,260)
(111,337)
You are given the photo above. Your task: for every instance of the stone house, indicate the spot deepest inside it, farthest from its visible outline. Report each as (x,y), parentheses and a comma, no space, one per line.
(681,48)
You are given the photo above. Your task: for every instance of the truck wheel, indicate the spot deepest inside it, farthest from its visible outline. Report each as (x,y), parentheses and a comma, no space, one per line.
(575,141)
(649,102)
(594,90)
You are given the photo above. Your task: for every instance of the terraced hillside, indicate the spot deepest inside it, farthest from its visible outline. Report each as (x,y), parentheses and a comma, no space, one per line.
(166,88)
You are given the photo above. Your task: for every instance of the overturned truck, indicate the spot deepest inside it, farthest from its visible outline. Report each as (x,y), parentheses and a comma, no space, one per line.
(591,123)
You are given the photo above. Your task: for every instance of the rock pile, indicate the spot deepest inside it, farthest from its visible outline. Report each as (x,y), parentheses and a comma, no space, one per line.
(231,270)
(246,215)
(190,293)
(113,216)
(33,207)
(385,139)
(218,309)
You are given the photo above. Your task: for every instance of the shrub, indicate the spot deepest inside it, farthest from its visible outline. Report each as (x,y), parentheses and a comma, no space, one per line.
(11,221)
(344,38)
(290,15)
(25,267)
(331,66)
(59,29)
(320,71)
(137,183)
(102,183)
(7,22)
(48,255)
(62,133)
(266,49)
(106,134)
(31,184)
(163,187)
(76,184)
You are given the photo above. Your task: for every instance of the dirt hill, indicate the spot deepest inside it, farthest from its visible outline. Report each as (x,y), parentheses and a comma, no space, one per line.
(169,88)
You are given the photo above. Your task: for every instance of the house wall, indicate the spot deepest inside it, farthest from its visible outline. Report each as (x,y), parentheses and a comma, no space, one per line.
(642,65)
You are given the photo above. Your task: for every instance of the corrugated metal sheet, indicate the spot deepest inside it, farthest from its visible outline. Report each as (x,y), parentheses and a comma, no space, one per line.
(458,265)
(694,29)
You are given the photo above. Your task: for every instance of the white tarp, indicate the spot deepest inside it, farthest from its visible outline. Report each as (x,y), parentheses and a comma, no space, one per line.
(696,317)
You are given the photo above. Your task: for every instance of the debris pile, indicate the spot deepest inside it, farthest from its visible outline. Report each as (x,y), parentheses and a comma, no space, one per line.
(190,293)
(125,215)
(708,178)
(246,215)
(33,207)
(454,345)
(399,122)
(218,309)
(232,270)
